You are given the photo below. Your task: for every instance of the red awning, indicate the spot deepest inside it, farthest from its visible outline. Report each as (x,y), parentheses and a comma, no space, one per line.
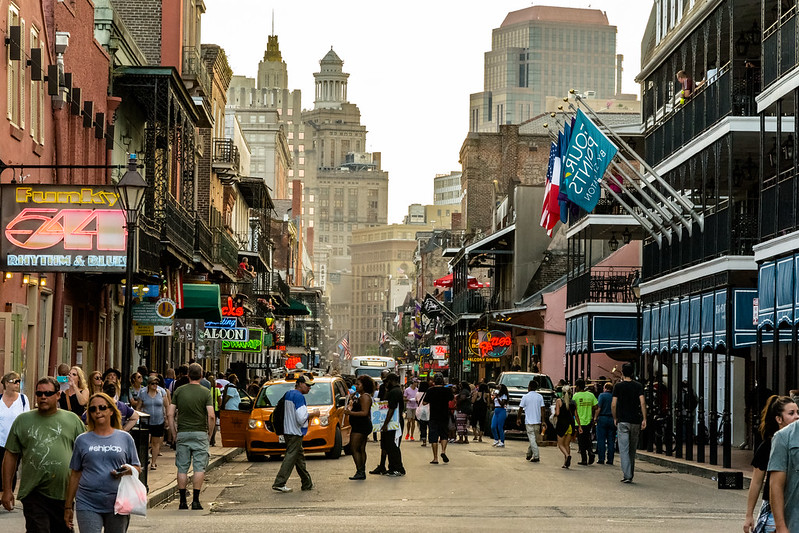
(446,282)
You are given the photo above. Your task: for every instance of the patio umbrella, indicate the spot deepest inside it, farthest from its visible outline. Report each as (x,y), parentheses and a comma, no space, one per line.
(447,282)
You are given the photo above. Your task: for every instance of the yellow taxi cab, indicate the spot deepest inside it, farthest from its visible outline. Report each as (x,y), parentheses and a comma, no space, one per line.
(328,433)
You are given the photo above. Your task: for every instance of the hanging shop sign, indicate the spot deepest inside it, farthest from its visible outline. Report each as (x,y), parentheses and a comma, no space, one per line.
(254,344)
(165,308)
(146,314)
(61,228)
(488,345)
(439,351)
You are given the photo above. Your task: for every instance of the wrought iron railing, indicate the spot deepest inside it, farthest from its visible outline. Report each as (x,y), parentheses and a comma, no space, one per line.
(471,301)
(602,284)
(279,287)
(225,250)
(203,241)
(226,153)
(149,248)
(194,67)
(178,227)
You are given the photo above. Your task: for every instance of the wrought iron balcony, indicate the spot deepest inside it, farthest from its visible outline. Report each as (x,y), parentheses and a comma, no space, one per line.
(609,284)
(203,242)
(473,301)
(225,251)
(177,230)
(226,156)
(194,69)
(149,248)
(280,288)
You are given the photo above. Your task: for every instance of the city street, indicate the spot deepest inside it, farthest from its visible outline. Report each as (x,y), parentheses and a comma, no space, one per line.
(481,489)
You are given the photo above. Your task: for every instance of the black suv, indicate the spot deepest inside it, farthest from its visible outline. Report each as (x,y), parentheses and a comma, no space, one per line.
(517,383)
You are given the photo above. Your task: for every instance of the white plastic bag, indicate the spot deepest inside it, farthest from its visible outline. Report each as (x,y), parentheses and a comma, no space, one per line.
(131,495)
(423,412)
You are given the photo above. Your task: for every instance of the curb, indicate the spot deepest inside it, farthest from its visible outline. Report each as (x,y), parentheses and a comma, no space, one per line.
(160,496)
(685,467)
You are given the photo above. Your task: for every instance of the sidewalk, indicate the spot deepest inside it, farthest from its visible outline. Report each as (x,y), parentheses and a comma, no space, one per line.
(162,482)
(740,462)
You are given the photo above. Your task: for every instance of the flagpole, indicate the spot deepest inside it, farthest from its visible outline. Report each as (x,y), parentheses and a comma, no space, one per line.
(700,219)
(662,219)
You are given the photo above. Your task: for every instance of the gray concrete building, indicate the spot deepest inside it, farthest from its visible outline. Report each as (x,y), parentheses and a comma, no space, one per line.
(543,51)
(447,188)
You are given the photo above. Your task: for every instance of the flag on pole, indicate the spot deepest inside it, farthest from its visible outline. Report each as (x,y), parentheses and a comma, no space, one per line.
(344,346)
(383,338)
(588,156)
(545,213)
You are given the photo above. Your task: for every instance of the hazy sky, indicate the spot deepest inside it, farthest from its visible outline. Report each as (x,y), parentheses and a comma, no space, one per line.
(412,66)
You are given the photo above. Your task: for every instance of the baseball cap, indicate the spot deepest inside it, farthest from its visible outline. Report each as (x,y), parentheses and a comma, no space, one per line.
(308,380)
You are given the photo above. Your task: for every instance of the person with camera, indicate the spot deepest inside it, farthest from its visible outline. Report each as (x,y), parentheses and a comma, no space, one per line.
(100,458)
(44,436)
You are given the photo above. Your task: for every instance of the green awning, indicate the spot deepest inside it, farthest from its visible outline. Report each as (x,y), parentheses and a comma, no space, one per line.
(201,301)
(295,308)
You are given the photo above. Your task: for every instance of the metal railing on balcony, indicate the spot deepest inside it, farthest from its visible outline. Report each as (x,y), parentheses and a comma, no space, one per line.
(226,154)
(149,248)
(203,241)
(225,250)
(471,302)
(280,288)
(194,68)
(602,284)
(779,47)
(177,228)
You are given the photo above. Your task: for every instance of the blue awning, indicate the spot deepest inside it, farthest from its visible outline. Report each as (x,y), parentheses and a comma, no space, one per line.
(744,331)
(720,318)
(765,296)
(684,323)
(674,325)
(696,321)
(707,320)
(646,334)
(584,333)
(613,333)
(664,326)
(784,291)
(655,328)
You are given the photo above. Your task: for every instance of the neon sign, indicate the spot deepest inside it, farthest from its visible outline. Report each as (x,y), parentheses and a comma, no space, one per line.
(61,228)
(489,344)
(231,310)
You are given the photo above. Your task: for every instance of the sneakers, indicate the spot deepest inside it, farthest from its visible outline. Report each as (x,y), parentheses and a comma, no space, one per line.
(625,480)
(535,460)
(591,459)
(307,488)
(529,456)
(379,471)
(183,505)
(407,437)
(501,445)
(412,439)
(195,506)
(358,476)
(496,442)
(282,489)
(394,473)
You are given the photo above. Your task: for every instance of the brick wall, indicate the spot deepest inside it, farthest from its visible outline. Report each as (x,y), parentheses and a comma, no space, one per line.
(143,20)
(508,157)
(204,176)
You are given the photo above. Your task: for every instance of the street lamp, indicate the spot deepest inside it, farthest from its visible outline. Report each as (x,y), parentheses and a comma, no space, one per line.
(130,190)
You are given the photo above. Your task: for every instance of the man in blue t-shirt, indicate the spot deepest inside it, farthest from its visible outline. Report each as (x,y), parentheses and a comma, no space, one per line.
(295,426)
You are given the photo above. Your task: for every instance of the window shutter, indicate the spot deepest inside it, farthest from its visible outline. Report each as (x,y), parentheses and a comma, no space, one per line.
(21,67)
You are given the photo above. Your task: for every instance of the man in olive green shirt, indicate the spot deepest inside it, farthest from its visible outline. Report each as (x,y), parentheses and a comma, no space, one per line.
(586,404)
(195,425)
(44,439)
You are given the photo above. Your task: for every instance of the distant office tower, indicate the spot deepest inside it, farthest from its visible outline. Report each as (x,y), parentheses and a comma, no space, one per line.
(447,188)
(543,51)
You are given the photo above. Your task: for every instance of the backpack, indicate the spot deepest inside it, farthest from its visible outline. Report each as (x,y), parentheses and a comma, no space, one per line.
(278,416)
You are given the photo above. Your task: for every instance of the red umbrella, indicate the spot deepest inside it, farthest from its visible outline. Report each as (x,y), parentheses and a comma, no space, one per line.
(447,281)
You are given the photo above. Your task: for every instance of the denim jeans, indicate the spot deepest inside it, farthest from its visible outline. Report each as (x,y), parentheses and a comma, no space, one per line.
(628,443)
(605,438)
(498,423)
(91,522)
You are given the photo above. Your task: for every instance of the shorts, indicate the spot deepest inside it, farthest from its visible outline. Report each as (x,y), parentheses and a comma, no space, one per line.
(156,430)
(191,447)
(410,414)
(437,430)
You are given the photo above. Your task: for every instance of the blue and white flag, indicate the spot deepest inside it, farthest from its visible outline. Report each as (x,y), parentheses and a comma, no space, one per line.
(587,158)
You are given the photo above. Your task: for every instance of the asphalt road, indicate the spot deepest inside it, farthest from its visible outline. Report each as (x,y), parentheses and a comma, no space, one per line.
(481,489)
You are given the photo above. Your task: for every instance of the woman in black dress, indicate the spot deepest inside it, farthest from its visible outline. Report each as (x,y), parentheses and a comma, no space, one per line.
(479,411)
(564,427)
(360,414)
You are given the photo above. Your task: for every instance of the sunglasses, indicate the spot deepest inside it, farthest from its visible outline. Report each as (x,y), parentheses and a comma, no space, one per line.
(47,393)
(13,381)
(98,378)
(93,408)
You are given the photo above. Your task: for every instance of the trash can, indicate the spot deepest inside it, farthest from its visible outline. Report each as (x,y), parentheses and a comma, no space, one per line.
(141,436)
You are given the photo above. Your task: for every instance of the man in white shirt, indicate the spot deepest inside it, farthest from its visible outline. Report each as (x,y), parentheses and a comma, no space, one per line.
(532,405)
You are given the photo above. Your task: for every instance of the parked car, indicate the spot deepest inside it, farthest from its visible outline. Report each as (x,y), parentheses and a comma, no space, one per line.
(329,433)
(517,383)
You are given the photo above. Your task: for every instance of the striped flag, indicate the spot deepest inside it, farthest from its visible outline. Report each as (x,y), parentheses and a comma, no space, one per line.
(383,338)
(545,215)
(344,345)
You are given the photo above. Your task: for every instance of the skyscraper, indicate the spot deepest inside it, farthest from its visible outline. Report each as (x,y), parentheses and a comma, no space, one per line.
(543,51)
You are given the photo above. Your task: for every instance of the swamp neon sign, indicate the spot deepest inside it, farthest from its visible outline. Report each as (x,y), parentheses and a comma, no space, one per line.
(49,228)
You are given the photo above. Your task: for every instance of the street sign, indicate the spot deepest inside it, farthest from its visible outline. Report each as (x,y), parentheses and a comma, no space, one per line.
(467,366)
(165,308)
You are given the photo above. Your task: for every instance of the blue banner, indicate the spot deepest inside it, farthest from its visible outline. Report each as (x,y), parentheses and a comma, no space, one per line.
(587,158)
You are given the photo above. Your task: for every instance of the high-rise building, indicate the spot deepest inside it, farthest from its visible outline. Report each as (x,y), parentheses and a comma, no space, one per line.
(447,188)
(543,51)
